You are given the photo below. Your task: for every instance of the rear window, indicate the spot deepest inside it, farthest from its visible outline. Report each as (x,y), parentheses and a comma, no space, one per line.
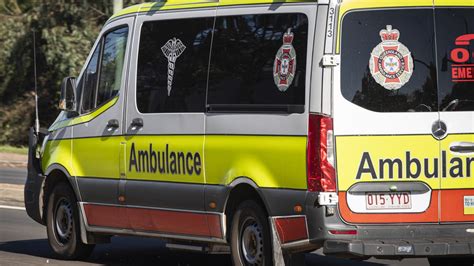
(388,60)
(455,41)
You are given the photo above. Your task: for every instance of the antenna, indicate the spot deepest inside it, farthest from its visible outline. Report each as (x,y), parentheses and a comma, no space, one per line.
(37,125)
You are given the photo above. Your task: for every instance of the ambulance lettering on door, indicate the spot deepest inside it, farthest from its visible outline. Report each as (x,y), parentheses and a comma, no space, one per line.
(411,167)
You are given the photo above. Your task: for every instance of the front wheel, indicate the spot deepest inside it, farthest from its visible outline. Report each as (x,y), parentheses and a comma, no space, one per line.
(250,236)
(63,225)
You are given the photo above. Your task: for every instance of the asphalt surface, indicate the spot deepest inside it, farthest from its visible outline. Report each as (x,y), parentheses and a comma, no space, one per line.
(24,242)
(16,176)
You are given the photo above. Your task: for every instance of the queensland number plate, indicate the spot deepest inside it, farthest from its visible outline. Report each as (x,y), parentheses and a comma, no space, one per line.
(388,200)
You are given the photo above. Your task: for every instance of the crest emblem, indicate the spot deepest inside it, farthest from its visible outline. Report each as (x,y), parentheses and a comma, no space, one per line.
(391,63)
(284,67)
(172,50)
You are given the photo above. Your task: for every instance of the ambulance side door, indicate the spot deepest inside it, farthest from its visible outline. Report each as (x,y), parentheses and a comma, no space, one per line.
(98,128)
(165,122)
(455,44)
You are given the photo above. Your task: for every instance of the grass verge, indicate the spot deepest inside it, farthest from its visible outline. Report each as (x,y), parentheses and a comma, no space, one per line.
(11,149)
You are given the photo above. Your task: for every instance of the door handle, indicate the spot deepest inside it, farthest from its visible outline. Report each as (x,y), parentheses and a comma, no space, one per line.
(462,147)
(136,123)
(113,124)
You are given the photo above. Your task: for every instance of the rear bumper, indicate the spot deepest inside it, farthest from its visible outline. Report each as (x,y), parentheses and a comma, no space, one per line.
(391,240)
(401,248)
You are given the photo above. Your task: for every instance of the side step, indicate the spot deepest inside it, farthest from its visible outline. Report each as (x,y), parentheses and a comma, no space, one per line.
(199,248)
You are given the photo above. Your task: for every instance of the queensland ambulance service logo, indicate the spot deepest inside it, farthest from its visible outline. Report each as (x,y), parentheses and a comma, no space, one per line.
(172,50)
(284,67)
(391,63)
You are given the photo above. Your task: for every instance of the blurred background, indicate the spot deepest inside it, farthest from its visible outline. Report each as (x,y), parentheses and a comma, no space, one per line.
(65,32)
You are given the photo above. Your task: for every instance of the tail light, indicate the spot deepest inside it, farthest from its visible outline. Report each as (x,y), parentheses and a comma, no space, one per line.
(320,154)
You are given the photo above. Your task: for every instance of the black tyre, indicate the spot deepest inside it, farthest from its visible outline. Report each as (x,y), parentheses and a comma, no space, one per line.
(250,236)
(63,225)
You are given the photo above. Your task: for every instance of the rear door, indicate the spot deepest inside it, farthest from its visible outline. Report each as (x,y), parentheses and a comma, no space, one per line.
(455,44)
(385,107)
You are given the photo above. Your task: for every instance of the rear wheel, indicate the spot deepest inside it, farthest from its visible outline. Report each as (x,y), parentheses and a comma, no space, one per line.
(63,224)
(250,236)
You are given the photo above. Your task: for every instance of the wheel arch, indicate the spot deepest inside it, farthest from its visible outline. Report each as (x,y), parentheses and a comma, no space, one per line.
(55,174)
(241,189)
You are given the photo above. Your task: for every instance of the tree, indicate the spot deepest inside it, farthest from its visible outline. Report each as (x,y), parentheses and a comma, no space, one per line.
(65,31)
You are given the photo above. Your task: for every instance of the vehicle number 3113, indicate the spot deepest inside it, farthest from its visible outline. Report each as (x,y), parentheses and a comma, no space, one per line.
(379,201)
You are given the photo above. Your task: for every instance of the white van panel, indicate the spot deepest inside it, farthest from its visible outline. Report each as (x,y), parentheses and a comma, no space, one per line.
(350,119)
(316,98)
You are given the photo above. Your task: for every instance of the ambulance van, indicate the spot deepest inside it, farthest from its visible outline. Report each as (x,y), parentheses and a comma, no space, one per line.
(266,128)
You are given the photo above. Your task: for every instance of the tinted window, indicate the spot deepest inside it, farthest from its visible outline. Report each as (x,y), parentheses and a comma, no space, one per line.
(172,66)
(397,75)
(97,89)
(89,83)
(111,68)
(254,63)
(455,41)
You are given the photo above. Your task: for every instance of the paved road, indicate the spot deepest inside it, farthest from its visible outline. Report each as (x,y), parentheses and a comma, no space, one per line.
(15,176)
(23,242)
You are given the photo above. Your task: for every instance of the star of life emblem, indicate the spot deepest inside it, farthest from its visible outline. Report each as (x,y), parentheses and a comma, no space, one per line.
(284,67)
(172,50)
(391,63)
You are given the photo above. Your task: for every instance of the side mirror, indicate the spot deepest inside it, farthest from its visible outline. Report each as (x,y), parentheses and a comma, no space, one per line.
(67,102)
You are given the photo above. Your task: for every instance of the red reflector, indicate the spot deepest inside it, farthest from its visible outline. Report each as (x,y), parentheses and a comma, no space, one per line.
(291,229)
(343,232)
(321,173)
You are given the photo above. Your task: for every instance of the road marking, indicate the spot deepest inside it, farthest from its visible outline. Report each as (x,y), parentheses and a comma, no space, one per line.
(12,207)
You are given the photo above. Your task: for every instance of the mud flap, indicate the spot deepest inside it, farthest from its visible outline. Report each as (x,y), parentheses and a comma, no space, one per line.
(278,259)
(34,181)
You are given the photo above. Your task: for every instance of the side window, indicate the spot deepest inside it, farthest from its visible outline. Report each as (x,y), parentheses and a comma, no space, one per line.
(89,83)
(455,41)
(111,67)
(258,61)
(388,60)
(101,82)
(173,61)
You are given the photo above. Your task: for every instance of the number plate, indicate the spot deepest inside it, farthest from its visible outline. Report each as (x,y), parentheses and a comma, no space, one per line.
(388,201)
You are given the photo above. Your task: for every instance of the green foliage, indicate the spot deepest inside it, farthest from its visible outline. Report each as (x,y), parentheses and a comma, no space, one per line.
(65,32)
(14,150)
(14,122)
